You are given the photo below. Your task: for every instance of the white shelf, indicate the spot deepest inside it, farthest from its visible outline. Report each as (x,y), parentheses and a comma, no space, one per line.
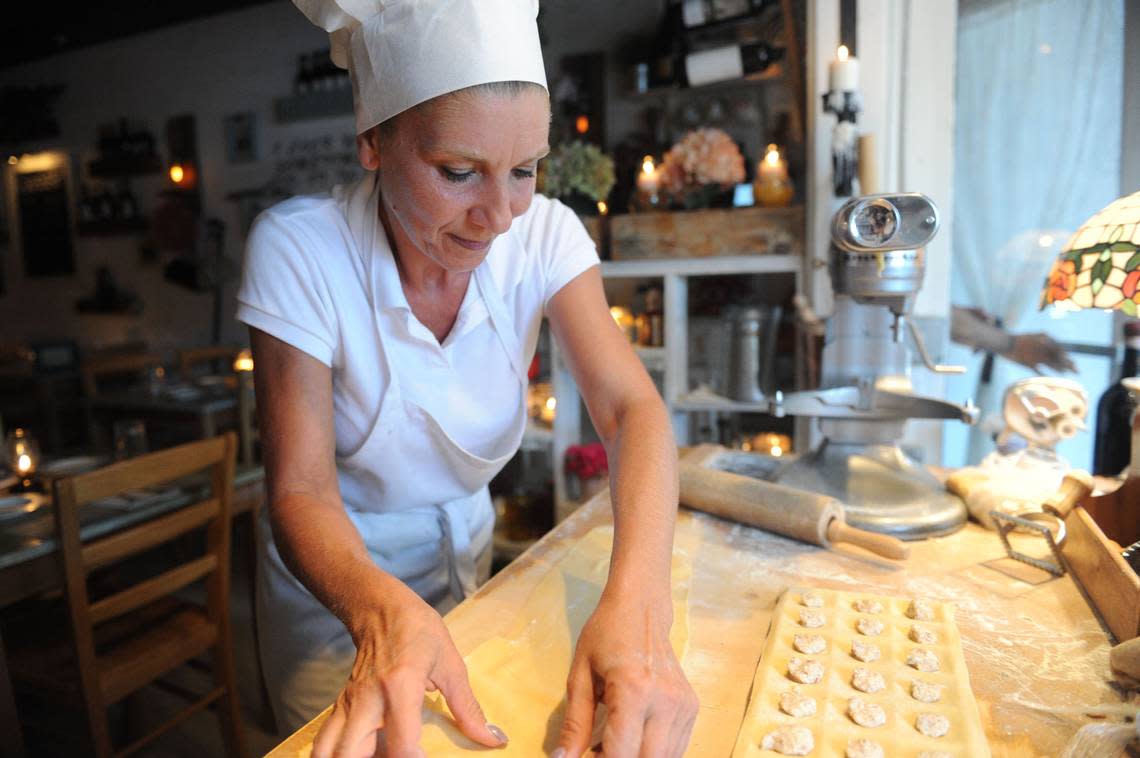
(721,405)
(713,266)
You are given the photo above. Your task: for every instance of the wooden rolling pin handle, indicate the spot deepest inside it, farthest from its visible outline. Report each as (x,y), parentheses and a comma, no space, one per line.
(879,544)
(1075,487)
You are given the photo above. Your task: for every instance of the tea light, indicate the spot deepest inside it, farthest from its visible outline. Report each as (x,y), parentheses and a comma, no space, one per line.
(772,188)
(23,459)
(244,361)
(773,166)
(547,413)
(647,180)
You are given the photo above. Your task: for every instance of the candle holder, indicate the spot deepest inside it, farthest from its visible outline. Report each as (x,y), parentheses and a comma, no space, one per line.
(772,188)
(23,458)
(846,105)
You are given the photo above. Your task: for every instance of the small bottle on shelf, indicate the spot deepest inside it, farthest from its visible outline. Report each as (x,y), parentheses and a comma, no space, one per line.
(1113,446)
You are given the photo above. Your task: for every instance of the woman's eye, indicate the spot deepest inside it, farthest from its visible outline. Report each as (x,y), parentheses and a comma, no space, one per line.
(456,176)
(524,173)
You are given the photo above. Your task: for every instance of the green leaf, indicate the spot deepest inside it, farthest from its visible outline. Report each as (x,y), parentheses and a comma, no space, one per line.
(1100,272)
(1122,247)
(1133,263)
(1096,286)
(1129,308)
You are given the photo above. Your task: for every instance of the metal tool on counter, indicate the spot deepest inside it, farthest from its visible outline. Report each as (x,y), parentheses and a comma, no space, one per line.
(877,262)
(753,343)
(1044,410)
(807,516)
(1074,487)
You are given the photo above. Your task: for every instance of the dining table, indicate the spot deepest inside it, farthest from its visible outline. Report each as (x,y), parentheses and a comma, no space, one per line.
(29,554)
(207,406)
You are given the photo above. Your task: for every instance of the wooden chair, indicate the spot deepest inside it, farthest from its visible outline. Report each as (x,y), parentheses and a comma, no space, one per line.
(96,368)
(191,357)
(131,638)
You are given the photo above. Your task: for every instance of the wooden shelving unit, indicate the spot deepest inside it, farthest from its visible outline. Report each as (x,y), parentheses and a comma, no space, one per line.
(670,361)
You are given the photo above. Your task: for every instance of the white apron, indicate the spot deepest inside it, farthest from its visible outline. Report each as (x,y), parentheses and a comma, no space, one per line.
(440,546)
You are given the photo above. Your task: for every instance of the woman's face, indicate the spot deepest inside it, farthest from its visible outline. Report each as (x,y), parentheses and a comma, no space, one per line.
(455,172)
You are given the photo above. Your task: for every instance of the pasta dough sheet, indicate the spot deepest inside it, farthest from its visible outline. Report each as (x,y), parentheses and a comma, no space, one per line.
(913,699)
(520,678)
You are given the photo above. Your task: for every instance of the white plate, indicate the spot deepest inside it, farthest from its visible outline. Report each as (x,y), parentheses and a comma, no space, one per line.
(77,464)
(14,506)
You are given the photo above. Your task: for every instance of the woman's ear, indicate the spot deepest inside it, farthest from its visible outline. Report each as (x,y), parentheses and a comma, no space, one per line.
(368,149)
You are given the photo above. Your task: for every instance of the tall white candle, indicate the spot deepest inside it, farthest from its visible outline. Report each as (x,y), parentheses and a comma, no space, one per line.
(843,72)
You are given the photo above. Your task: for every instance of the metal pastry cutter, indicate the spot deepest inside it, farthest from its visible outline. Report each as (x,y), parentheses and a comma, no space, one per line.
(1033,522)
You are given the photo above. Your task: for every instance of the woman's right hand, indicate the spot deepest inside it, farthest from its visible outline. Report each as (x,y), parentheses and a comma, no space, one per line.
(403,650)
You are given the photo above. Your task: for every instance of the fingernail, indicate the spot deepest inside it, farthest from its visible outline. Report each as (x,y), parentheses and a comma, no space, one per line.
(500,735)
(559,753)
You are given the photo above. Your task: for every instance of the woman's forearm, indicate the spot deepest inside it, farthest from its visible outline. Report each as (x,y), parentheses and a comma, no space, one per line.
(322,548)
(643,487)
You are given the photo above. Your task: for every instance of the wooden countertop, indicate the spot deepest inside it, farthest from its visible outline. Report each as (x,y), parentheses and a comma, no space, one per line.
(1029,638)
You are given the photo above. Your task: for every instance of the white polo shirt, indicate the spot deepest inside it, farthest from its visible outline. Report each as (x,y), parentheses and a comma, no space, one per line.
(305,282)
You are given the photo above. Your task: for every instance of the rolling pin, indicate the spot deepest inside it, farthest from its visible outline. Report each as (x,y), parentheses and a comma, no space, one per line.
(806,516)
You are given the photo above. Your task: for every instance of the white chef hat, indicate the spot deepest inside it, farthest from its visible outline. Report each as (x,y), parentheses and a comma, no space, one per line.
(404,52)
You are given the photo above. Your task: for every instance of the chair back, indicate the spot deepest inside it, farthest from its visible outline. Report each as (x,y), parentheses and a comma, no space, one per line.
(189,358)
(96,368)
(104,683)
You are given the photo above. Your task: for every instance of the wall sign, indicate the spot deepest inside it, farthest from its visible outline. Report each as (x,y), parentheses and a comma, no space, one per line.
(45,222)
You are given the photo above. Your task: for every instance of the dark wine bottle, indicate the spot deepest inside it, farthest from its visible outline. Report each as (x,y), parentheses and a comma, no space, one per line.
(729,62)
(1113,449)
(667,54)
(302,83)
(702,13)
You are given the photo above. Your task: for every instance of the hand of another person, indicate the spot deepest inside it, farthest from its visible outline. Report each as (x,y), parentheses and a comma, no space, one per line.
(624,660)
(402,651)
(1033,350)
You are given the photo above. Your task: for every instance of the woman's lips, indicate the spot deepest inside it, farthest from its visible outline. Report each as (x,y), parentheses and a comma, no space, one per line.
(471,244)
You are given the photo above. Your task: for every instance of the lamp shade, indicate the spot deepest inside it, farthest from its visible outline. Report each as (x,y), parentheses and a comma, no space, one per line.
(1099,267)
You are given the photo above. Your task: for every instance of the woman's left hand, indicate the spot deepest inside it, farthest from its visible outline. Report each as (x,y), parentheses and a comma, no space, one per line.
(625,661)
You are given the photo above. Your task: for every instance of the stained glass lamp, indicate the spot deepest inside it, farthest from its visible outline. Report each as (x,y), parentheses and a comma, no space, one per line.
(1099,267)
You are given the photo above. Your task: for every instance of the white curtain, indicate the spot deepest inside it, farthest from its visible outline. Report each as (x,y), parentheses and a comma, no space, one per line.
(1037,151)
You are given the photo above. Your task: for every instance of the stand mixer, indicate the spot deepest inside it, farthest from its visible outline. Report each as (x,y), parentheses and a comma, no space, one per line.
(877,262)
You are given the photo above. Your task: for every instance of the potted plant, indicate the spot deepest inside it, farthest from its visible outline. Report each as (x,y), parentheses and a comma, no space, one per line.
(579,174)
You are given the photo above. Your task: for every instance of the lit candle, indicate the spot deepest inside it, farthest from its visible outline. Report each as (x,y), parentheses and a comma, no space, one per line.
(843,72)
(647,180)
(773,167)
(549,410)
(24,465)
(244,361)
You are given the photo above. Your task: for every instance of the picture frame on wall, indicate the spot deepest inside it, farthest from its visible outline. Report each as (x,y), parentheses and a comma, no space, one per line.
(240,132)
(41,186)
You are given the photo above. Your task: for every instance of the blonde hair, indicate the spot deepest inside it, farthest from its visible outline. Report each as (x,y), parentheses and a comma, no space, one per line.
(497,89)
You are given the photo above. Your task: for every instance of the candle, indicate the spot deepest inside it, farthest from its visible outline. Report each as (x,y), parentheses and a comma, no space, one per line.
(244,361)
(843,72)
(773,166)
(647,180)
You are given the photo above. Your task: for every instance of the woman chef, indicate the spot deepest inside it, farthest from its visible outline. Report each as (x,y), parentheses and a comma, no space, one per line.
(392,324)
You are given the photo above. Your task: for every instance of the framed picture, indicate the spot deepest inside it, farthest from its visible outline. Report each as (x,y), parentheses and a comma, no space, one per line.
(241,137)
(44,215)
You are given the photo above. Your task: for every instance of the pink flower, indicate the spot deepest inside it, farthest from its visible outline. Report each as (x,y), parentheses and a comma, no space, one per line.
(587,461)
(703,156)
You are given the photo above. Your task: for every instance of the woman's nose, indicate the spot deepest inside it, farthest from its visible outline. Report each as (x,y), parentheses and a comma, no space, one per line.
(494,208)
